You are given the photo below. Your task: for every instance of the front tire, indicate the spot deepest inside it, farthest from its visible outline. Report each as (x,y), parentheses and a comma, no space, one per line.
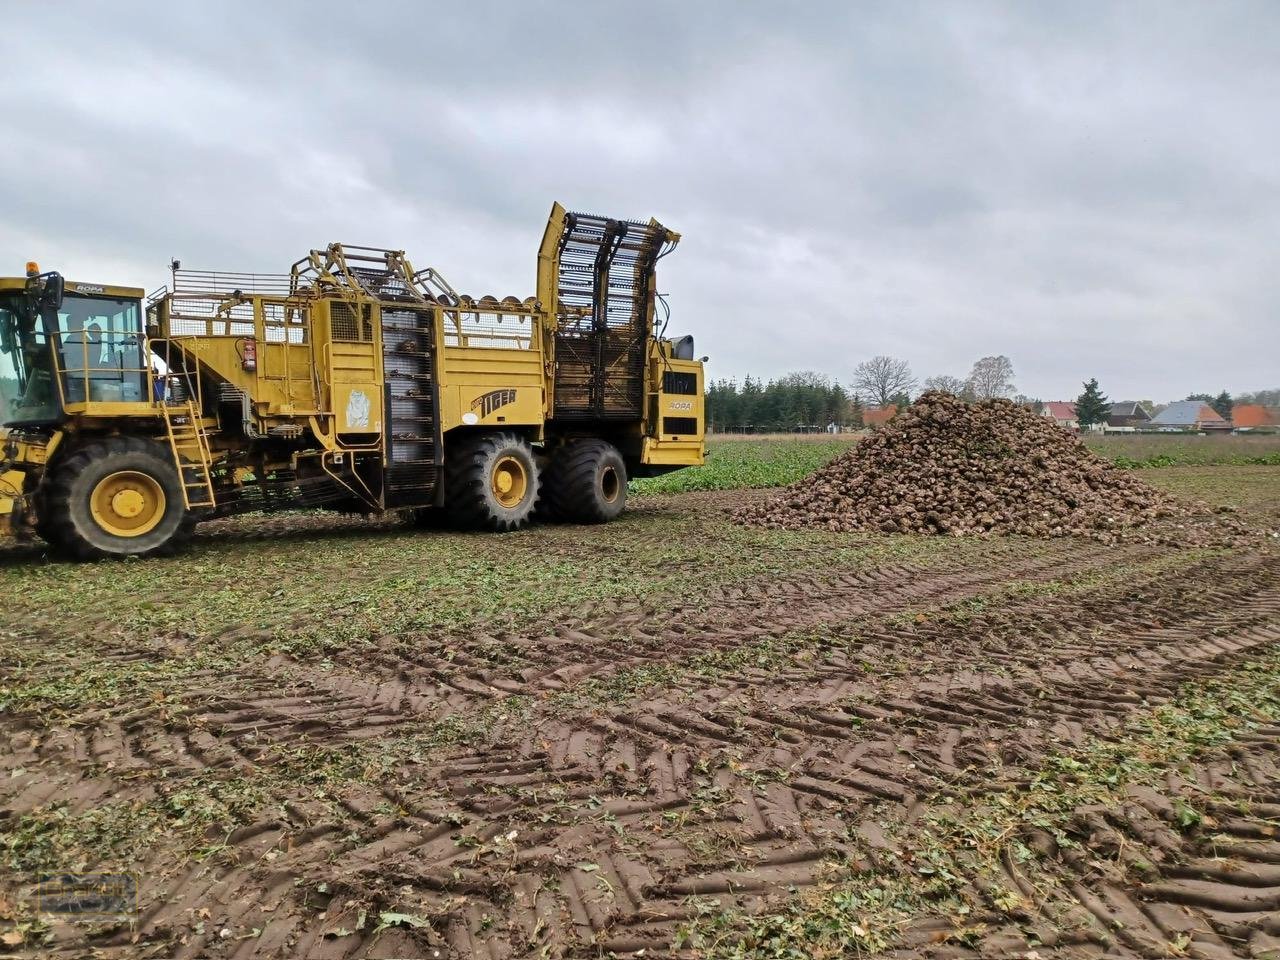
(117,497)
(491,482)
(586,483)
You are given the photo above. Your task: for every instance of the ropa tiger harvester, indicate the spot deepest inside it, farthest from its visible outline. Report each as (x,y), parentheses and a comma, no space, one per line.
(353,382)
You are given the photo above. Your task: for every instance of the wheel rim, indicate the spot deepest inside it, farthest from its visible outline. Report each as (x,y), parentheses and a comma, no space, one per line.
(510,481)
(127,503)
(610,484)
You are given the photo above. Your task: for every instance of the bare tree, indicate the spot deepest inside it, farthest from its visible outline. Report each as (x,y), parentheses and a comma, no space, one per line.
(881,378)
(991,377)
(947,384)
(1034,404)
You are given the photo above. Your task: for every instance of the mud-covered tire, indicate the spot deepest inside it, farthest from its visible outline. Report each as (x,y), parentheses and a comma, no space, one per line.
(586,482)
(44,528)
(491,482)
(78,527)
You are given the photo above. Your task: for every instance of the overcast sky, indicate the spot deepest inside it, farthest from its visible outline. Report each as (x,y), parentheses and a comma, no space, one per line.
(1092,189)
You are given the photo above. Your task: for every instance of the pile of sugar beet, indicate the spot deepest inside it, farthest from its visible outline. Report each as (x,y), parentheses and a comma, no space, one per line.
(946,466)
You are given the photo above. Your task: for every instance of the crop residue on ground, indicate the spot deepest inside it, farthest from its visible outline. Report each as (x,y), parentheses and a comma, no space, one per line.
(669,733)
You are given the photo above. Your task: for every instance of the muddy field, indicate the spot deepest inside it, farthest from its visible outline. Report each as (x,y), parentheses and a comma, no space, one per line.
(325,738)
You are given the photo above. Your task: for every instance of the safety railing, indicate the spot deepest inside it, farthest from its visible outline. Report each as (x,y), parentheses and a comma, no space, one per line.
(98,364)
(226,283)
(491,324)
(175,382)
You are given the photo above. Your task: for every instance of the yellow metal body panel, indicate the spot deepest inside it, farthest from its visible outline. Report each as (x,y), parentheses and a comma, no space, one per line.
(357,408)
(355,388)
(288,371)
(22,457)
(11,486)
(29,451)
(492,387)
(283,380)
(112,409)
(87,289)
(673,453)
(675,423)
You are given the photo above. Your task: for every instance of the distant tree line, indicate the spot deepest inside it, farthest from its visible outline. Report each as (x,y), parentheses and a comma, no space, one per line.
(797,400)
(1266,398)
(807,400)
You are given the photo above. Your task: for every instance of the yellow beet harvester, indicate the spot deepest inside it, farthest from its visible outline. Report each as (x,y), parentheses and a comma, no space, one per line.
(352,383)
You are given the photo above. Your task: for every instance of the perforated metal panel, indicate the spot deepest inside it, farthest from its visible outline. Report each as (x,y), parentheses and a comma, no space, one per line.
(351,323)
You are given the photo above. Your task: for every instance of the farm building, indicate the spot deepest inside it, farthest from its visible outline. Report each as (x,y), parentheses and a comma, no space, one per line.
(1128,413)
(1254,416)
(1062,413)
(1189,415)
(879,416)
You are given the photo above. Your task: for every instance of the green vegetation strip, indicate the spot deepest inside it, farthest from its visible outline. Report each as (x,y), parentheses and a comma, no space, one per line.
(951,864)
(739,464)
(1151,451)
(1174,460)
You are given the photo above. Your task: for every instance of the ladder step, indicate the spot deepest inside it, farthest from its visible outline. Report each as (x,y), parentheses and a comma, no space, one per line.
(189,444)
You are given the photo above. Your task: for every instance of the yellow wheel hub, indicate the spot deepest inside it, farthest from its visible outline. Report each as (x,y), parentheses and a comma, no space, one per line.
(510,481)
(127,503)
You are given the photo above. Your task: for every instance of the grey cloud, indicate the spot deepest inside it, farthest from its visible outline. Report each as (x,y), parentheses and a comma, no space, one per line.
(1088,187)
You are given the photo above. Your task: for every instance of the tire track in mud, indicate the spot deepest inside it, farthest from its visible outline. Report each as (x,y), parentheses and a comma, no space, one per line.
(578,879)
(596,642)
(786,830)
(590,645)
(735,787)
(1147,885)
(281,701)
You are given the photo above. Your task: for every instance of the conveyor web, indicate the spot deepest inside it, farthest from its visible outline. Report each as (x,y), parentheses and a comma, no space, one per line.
(605,300)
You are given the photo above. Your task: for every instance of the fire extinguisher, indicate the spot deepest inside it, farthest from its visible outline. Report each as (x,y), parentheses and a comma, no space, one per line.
(249,357)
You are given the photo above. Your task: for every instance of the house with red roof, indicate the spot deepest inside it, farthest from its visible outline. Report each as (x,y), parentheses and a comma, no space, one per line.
(1254,416)
(879,416)
(1062,413)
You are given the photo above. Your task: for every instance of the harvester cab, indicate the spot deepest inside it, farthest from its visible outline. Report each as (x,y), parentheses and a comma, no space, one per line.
(351,382)
(64,344)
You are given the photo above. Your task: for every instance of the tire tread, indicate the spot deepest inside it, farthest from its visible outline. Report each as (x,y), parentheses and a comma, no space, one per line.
(568,492)
(467,483)
(65,539)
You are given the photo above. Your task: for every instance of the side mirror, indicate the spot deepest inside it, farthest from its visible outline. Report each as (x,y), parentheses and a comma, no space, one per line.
(54,289)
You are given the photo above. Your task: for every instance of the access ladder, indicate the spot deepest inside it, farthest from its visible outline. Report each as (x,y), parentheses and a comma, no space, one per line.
(189,443)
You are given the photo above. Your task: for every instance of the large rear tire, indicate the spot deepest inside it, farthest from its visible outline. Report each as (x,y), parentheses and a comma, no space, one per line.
(490,482)
(117,497)
(585,483)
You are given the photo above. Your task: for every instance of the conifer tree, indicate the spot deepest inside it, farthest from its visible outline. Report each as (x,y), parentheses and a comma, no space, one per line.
(1092,406)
